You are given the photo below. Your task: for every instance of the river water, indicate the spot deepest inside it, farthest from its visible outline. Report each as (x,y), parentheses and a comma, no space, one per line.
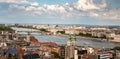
(80,41)
(63,40)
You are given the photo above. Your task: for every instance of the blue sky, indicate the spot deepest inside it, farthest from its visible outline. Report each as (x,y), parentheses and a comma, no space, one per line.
(90,12)
(51,2)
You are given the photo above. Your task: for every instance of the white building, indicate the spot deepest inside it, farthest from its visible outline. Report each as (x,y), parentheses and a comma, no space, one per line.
(90,50)
(3,44)
(116,38)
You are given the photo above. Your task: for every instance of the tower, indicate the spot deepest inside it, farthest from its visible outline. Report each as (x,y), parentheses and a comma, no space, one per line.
(71,43)
(3,40)
(10,36)
(28,37)
(71,40)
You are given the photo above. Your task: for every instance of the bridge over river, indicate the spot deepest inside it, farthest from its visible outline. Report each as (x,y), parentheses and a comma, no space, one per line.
(26,30)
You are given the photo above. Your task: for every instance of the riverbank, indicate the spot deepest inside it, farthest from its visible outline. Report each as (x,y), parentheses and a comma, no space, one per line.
(93,39)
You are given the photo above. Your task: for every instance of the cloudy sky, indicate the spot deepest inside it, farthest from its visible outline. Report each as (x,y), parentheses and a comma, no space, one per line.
(90,12)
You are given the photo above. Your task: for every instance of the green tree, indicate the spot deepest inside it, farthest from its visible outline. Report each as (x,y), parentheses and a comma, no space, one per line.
(71,58)
(62,32)
(5,28)
(117,48)
(43,30)
(13,57)
(104,37)
(55,54)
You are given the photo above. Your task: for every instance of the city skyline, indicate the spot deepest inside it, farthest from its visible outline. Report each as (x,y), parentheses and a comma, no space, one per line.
(89,12)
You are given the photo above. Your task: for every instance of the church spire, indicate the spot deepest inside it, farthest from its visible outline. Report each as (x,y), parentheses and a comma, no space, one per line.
(69,37)
(72,37)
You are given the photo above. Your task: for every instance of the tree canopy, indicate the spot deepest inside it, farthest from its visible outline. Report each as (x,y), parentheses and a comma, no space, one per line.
(5,28)
(116,48)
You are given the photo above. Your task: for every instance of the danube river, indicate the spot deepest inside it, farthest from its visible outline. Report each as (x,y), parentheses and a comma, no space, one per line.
(63,40)
(80,41)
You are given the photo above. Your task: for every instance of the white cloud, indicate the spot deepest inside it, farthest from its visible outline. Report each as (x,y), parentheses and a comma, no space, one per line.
(85,5)
(35,4)
(30,8)
(90,8)
(54,8)
(90,4)
(104,4)
(93,14)
(15,1)
(111,14)
(14,6)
